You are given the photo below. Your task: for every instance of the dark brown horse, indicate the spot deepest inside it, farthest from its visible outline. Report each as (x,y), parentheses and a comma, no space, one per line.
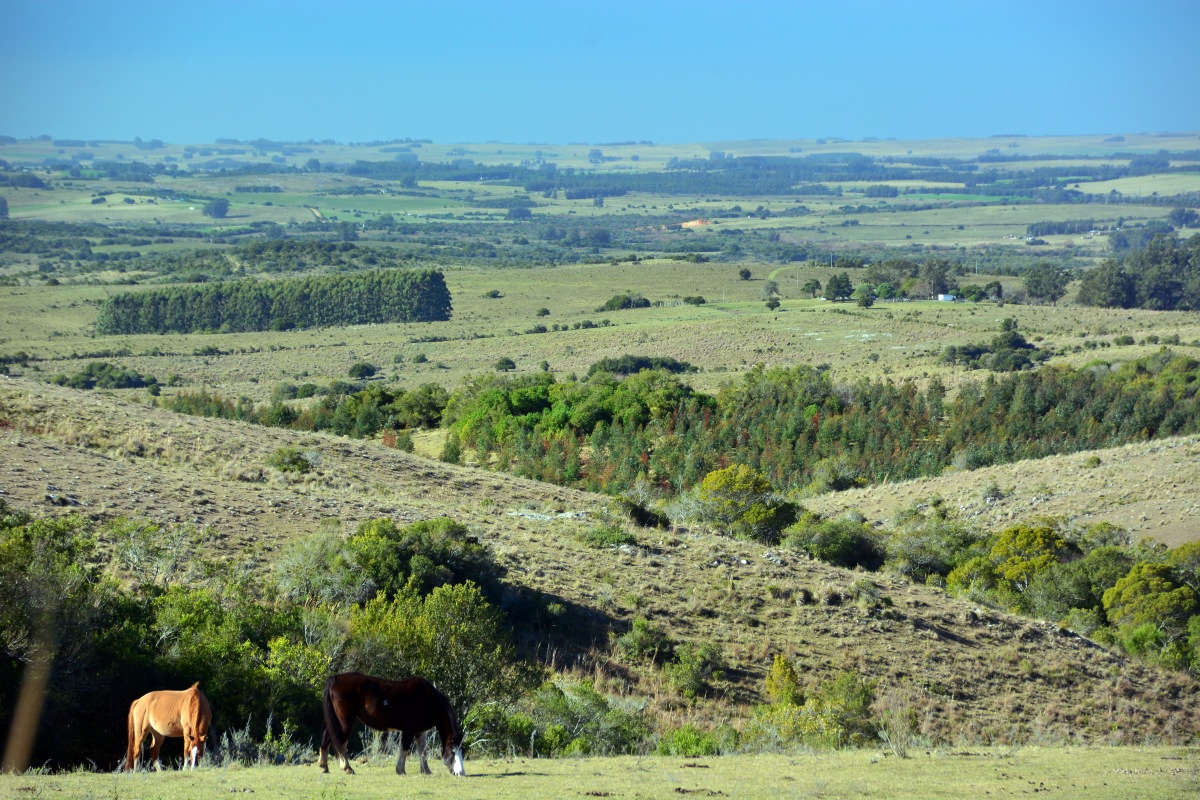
(167,713)
(411,706)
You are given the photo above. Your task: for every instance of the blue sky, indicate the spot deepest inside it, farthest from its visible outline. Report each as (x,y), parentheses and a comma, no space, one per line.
(596,72)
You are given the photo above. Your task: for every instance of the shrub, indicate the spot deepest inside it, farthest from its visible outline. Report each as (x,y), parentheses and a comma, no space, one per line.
(452,636)
(688,741)
(644,643)
(782,684)
(608,536)
(619,302)
(290,459)
(740,500)
(837,715)
(693,667)
(419,557)
(362,369)
(844,542)
(505,364)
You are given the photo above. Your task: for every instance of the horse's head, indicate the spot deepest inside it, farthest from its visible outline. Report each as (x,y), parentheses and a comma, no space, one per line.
(452,754)
(197,749)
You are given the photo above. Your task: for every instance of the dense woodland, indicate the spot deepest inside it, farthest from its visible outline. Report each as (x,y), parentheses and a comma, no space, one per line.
(355,299)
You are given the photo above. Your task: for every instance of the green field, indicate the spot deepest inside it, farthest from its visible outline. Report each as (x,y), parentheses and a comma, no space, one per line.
(1128,773)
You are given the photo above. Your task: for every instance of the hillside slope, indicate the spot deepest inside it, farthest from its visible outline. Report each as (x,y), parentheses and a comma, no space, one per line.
(972,674)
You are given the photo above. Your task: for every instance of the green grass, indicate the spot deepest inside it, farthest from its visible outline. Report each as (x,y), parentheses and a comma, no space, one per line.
(730,333)
(1130,773)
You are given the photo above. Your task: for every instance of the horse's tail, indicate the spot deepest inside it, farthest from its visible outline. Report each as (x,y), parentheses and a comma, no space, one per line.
(129,749)
(333,727)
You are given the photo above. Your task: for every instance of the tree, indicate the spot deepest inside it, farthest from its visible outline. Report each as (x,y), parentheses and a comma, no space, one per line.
(740,500)
(933,278)
(505,364)
(1023,551)
(1151,593)
(1184,218)
(1107,286)
(216,208)
(838,287)
(3,208)
(1047,282)
(744,273)
(363,369)
(519,213)
(864,295)
(769,289)
(811,287)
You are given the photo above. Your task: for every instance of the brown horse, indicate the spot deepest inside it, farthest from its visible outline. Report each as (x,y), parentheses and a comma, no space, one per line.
(167,713)
(412,706)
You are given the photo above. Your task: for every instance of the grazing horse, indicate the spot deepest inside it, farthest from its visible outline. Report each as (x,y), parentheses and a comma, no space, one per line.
(411,706)
(167,713)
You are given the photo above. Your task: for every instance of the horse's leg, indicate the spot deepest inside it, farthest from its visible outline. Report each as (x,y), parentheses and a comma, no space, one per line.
(156,743)
(421,737)
(323,763)
(344,756)
(191,747)
(405,743)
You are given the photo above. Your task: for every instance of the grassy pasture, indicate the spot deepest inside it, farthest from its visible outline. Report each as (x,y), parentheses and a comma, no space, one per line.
(1068,773)
(1144,185)
(650,155)
(733,331)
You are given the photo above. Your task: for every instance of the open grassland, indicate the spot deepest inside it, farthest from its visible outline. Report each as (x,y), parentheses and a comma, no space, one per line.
(730,333)
(649,155)
(1131,773)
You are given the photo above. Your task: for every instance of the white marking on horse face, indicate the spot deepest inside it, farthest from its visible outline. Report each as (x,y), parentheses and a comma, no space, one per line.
(457,768)
(195,754)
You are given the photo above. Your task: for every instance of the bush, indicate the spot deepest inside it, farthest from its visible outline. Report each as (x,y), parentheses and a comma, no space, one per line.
(620,302)
(362,370)
(782,684)
(844,542)
(838,715)
(689,741)
(608,536)
(290,459)
(419,557)
(740,500)
(644,643)
(693,667)
(452,636)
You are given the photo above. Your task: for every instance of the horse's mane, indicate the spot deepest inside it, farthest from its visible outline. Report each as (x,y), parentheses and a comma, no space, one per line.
(455,729)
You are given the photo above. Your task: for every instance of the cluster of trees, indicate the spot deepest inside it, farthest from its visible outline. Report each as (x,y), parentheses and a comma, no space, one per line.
(802,431)
(249,305)
(102,375)
(341,409)
(388,600)
(1164,275)
(1144,597)
(269,255)
(796,426)
(1008,351)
